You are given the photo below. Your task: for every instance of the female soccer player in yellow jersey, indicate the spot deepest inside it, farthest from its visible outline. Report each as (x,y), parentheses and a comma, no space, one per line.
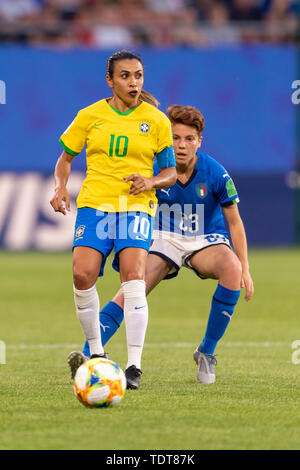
(117,201)
(190,231)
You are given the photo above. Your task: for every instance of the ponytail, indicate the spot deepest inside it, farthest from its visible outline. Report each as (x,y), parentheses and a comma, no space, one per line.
(146,96)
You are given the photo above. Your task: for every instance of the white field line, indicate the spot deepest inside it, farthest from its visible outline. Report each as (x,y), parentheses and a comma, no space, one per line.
(230,344)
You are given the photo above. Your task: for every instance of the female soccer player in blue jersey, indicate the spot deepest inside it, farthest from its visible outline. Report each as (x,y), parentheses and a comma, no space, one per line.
(117,201)
(190,231)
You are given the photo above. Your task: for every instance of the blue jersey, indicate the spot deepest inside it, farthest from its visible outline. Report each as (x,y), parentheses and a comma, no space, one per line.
(195,208)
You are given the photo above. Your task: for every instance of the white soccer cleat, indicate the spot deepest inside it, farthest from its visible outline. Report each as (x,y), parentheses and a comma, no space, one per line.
(205,363)
(75,359)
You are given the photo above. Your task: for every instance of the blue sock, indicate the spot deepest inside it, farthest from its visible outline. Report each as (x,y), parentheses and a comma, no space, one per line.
(222,307)
(110,318)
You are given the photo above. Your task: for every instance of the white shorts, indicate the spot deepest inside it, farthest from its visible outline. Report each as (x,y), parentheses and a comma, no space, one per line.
(179,250)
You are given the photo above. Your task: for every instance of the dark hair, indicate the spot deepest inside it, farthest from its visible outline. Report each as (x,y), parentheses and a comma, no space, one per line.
(121,55)
(187,115)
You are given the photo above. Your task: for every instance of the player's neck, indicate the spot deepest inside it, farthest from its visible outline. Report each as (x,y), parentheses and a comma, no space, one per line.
(184,172)
(121,106)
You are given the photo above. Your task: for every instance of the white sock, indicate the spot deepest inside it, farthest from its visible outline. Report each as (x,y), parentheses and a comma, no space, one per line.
(87,309)
(136,319)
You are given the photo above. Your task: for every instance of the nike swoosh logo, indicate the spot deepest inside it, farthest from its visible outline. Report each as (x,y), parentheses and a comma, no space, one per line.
(80,308)
(138,308)
(140,238)
(97,125)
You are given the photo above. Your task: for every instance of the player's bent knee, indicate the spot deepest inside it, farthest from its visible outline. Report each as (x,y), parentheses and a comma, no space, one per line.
(234,270)
(83,278)
(230,269)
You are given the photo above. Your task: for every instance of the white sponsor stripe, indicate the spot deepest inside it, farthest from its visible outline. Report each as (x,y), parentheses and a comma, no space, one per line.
(230,344)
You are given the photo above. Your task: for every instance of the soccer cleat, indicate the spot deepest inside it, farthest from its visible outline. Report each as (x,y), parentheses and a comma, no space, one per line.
(206,363)
(133,377)
(75,359)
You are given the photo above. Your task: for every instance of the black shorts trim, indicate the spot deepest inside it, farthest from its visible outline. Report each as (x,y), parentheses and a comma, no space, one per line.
(197,251)
(166,258)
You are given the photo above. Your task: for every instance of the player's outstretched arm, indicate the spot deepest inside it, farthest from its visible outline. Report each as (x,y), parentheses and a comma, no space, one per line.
(239,240)
(61,198)
(165,178)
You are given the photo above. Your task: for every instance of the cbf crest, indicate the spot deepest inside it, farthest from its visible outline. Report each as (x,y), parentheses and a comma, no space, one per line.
(144,127)
(79,231)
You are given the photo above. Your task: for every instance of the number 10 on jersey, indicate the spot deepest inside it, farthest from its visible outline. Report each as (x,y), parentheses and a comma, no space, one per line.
(141,226)
(118,145)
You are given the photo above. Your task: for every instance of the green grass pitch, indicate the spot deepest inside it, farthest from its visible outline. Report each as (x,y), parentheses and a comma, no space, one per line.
(254,403)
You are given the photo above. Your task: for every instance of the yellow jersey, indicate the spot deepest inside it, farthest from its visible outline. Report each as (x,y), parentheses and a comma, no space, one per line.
(117,145)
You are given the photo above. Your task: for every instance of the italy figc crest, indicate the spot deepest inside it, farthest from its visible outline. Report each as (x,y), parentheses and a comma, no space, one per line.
(201,189)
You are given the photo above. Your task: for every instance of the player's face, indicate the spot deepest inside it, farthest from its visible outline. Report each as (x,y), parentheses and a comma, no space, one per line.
(127,81)
(186,143)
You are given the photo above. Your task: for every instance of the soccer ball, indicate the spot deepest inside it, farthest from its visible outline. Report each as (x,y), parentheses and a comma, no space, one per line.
(99,383)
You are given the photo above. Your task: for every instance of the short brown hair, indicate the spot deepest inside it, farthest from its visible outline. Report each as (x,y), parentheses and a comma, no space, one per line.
(187,115)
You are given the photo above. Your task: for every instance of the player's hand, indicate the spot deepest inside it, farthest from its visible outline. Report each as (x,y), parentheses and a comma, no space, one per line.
(139,184)
(248,284)
(61,201)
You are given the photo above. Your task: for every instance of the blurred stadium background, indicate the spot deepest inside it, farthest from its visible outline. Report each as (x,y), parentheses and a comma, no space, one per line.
(235,60)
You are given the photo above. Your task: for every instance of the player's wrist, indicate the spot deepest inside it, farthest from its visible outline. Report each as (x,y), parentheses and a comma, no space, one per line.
(245,268)
(60,187)
(158,183)
(151,182)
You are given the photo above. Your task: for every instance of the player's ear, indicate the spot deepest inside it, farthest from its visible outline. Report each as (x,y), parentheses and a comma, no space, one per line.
(109,81)
(200,141)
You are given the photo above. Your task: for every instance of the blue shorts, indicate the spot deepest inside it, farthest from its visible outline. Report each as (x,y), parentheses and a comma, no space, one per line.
(105,231)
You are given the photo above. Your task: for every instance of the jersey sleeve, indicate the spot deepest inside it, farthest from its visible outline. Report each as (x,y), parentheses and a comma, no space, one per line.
(224,187)
(166,158)
(73,140)
(165,152)
(156,168)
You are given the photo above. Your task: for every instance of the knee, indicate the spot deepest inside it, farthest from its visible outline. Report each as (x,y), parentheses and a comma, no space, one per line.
(231,270)
(136,272)
(134,275)
(133,265)
(83,277)
(235,268)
